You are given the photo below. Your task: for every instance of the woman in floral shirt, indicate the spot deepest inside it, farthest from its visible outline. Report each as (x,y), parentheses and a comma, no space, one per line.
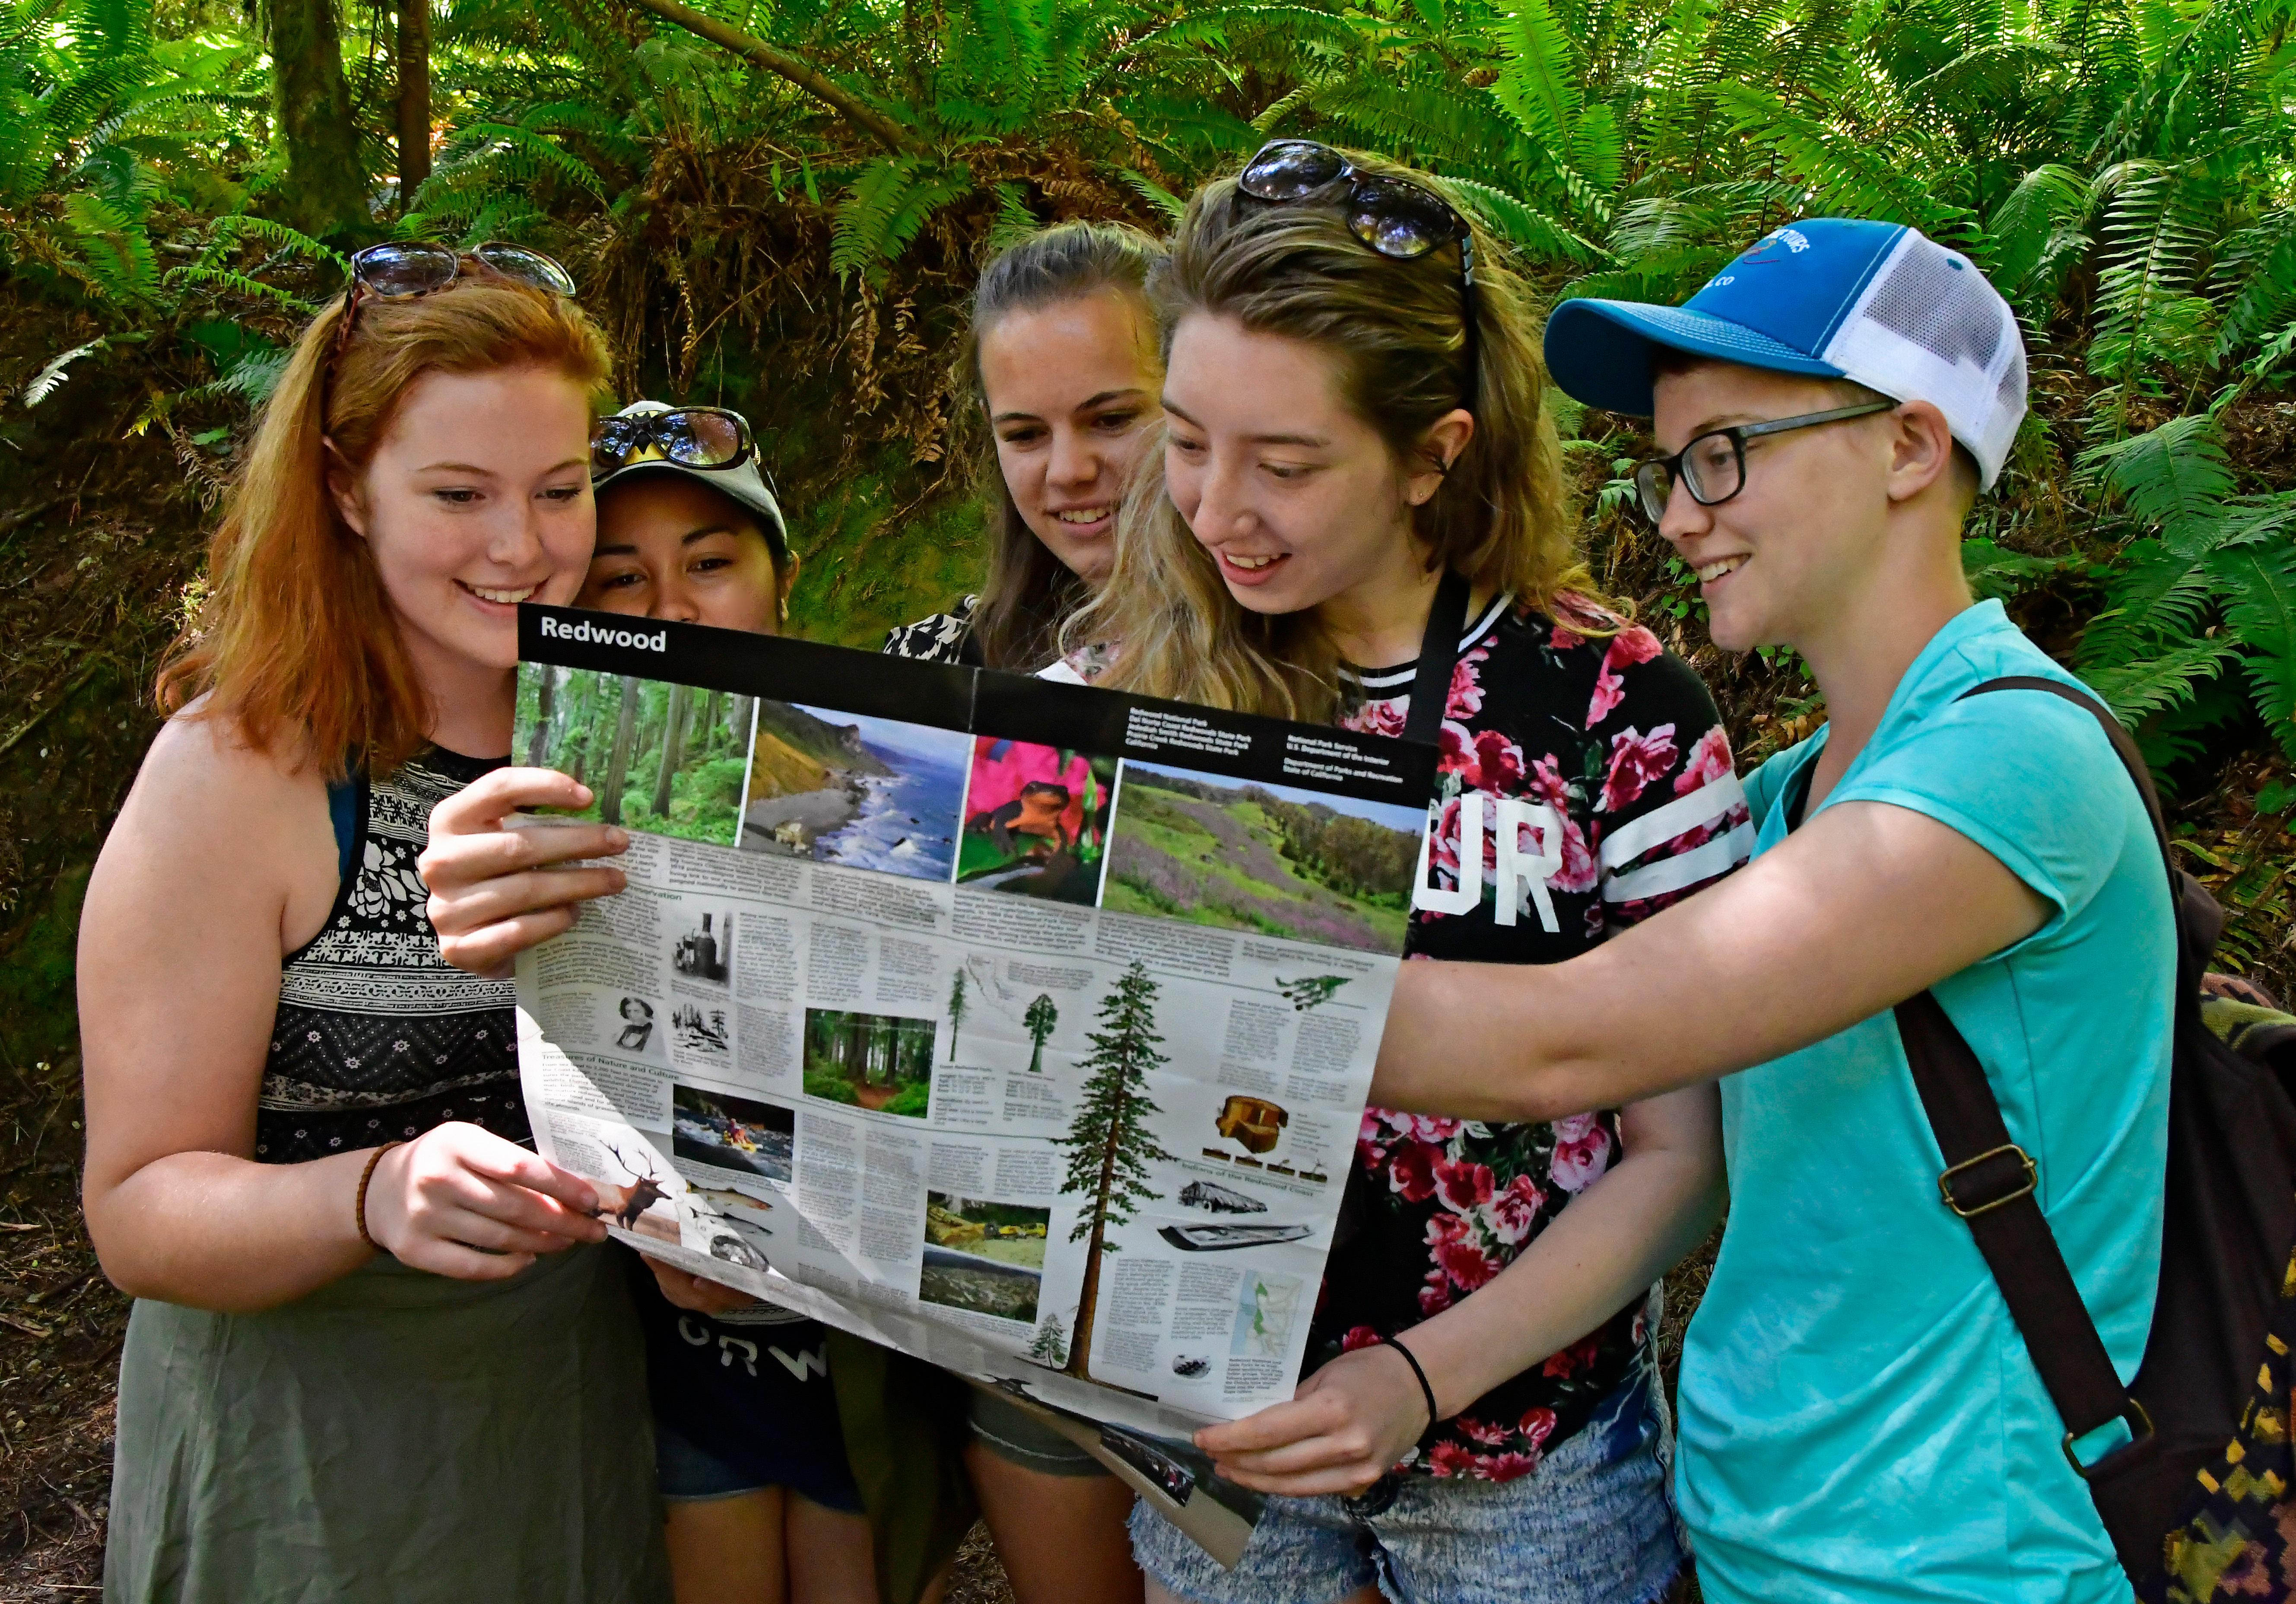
(1337,442)
(1622,741)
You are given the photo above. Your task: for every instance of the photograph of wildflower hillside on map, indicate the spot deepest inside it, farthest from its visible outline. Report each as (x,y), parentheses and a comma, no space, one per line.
(1216,850)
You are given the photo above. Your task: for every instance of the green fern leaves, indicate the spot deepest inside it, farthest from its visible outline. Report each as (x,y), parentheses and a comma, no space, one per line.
(2210,580)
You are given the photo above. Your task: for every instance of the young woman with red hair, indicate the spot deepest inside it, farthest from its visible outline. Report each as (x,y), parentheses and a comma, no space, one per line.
(373,1355)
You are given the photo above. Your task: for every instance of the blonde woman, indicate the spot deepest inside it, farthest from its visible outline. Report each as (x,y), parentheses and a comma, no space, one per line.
(1360,518)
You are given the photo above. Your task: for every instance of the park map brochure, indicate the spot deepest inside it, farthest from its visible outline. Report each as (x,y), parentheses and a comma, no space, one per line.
(1022,1026)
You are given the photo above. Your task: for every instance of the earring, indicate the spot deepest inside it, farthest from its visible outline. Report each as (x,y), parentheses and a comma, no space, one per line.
(784,609)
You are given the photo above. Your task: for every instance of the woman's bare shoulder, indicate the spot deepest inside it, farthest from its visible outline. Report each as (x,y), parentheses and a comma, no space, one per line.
(203,777)
(204,746)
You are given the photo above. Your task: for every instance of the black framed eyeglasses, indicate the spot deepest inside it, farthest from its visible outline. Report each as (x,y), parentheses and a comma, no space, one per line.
(1396,217)
(709,438)
(402,269)
(1712,468)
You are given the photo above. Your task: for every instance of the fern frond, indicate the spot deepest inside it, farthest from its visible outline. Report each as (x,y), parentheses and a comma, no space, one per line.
(1846,175)
(1014,221)
(239,283)
(2174,477)
(1539,82)
(2155,240)
(227,231)
(2257,576)
(1523,223)
(1163,200)
(44,382)
(2156,684)
(2036,235)
(2262,261)
(114,253)
(524,150)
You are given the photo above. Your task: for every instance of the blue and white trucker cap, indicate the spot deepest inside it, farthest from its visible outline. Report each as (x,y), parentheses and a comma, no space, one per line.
(1837,298)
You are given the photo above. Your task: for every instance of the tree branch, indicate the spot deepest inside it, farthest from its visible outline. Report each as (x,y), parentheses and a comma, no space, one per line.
(780,62)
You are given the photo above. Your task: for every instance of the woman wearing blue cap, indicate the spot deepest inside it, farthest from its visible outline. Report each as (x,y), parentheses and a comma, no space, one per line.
(1862,1418)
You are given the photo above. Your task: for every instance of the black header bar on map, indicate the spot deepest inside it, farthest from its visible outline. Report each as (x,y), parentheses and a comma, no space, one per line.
(773,666)
(1106,723)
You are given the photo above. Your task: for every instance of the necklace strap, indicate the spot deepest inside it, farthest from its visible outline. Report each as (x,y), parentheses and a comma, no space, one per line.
(1439,655)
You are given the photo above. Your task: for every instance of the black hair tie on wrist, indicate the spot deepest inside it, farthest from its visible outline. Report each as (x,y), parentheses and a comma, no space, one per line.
(1426,1390)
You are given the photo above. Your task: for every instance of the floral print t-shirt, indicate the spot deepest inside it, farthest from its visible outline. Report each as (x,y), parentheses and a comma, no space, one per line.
(1620,740)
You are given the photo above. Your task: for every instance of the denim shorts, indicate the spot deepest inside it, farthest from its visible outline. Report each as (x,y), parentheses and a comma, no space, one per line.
(740,1404)
(1018,1437)
(1593,1524)
(689,1473)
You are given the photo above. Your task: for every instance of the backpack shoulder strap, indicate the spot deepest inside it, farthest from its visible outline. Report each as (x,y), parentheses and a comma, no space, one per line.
(1988,1180)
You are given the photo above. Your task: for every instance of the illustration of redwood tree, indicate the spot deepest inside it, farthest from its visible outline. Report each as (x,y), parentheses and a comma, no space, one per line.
(1108,1143)
(1051,1347)
(1039,1021)
(955,1010)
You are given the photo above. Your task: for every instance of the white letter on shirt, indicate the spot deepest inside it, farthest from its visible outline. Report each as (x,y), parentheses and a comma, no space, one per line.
(1518,873)
(1468,894)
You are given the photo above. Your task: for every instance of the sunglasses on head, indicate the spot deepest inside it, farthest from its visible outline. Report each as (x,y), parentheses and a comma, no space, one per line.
(709,438)
(401,270)
(1400,219)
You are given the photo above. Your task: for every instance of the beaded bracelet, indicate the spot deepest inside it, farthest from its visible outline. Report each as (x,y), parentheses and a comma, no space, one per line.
(358,1205)
(1426,1391)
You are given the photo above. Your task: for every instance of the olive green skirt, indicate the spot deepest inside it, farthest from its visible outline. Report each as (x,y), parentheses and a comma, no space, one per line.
(396,1436)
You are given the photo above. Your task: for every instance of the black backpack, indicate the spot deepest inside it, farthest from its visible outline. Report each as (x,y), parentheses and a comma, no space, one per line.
(2185,1501)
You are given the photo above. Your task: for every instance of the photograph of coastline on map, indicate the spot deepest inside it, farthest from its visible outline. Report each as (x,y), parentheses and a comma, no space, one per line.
(847,788)
(1246,856)
(988,1257)
(666,759)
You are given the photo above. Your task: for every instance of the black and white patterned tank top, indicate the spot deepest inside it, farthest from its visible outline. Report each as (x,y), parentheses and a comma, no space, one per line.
(378,1037)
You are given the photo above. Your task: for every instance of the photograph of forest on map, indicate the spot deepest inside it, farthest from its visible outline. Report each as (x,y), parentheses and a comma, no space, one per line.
(880,1061)
(846,789)
(666,759)
(986,1258)
(1036,820)
(1299,864)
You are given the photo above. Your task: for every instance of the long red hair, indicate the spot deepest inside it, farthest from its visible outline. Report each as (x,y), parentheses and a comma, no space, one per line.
(295,640)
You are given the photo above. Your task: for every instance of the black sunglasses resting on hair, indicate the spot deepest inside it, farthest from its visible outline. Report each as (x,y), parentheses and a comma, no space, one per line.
(1400,219)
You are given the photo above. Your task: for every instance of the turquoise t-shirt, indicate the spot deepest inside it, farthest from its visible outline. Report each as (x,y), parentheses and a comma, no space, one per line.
(1859,1417)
